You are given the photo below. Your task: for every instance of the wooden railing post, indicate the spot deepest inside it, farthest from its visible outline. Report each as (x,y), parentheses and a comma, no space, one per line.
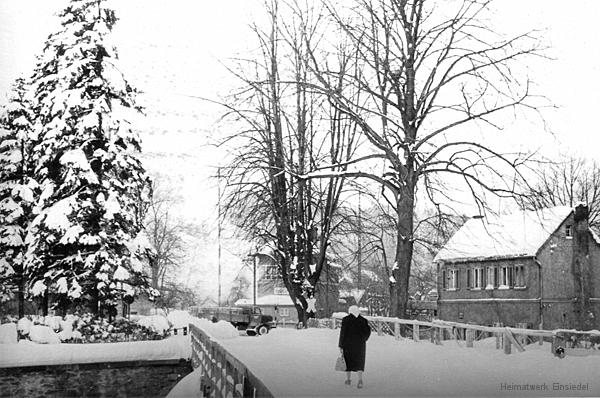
(499,335)
(416,332)
(521,338)
(379,328)
(507,345)
(397,330)
(470,336)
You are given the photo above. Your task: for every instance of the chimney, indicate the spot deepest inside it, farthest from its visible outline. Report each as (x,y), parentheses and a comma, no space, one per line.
(582,213)
(580,266)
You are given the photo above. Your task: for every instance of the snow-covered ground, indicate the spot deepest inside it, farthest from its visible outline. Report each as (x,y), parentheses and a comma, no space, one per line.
(300,363)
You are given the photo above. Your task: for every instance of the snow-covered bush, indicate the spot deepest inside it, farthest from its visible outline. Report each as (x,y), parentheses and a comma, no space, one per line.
(24,325)
(157,323)
(43,335)
(8,333)
(66,330)
(88,329)
(53,322)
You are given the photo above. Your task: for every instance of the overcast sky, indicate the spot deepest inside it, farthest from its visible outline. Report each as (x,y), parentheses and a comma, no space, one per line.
(172,50)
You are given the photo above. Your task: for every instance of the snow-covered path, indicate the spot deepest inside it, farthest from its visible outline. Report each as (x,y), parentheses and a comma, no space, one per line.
(300,363)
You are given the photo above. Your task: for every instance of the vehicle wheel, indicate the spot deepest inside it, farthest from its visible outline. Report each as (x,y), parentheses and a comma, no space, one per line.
(262,329)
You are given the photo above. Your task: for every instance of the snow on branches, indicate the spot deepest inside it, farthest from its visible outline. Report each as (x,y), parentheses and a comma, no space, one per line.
(89,187)
(17,189)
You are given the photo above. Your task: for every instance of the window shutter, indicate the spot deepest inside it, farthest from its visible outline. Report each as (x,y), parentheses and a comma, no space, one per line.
(457,279)
(511,276)
(496,277)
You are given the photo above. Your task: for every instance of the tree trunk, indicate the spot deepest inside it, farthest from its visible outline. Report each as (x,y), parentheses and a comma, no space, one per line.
(94,301)
(45,304)
(21,297)
(404,253)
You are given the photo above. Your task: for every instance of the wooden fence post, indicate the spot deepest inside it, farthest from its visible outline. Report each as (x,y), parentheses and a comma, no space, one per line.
(397,330)
(470,335)
(379,328)
(438,335)
(416,332)
(507,345)
(499,336)
(521,338)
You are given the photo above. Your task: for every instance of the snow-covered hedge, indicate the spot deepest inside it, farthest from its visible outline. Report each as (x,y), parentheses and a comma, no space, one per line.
(84,329)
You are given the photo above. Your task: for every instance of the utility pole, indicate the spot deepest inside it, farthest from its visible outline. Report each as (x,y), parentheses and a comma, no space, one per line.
(359,257)
(219,232)
(254,279)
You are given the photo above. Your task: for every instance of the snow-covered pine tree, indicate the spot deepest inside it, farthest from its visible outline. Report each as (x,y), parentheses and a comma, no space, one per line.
(92,182)
(17,192)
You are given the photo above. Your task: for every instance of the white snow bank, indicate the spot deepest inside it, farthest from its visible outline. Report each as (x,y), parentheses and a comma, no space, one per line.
(221,330)
(158,323)
(179,319)
(43,335)
(27,353)
(187,387)
(8,333)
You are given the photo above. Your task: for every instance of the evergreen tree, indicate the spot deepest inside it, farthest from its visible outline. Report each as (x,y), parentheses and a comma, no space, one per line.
(17,193)
(92,182)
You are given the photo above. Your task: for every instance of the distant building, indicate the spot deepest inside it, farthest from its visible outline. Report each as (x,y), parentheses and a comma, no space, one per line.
(269,283)
(538,268)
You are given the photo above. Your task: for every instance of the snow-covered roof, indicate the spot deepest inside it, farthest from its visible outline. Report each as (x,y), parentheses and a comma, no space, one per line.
(271,299)
(512,235)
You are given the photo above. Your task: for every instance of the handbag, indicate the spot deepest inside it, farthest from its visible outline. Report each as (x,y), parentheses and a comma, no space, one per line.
(340,364)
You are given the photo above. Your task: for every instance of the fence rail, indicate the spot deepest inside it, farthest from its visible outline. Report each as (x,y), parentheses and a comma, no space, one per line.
(506,337)
(223,375)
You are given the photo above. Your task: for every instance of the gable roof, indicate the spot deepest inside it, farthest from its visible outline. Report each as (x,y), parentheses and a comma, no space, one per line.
(518,234)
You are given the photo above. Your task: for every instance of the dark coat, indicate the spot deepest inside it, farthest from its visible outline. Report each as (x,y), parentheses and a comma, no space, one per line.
(354,334)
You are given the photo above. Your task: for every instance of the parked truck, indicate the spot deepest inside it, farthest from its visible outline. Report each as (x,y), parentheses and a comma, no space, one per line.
(249,319)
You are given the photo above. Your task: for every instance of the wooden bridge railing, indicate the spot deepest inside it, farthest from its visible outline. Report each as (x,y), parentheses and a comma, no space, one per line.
(437,330)
(223,375)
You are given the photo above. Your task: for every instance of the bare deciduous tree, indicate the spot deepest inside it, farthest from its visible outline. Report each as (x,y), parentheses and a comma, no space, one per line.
(164,233)
(430,74)
(287,130)
(564,183)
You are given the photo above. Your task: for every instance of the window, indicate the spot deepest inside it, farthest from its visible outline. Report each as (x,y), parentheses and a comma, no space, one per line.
(270,272)
(520,276)
(477,278)
(469,278)
(568,231)
(284,312)
(444,280)
(280,291)
(453,279)
(492,277)
(506,277)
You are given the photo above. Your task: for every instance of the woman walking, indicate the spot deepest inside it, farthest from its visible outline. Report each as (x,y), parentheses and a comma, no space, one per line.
(354,334)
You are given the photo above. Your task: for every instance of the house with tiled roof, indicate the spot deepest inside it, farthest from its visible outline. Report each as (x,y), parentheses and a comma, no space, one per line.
(539,268)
